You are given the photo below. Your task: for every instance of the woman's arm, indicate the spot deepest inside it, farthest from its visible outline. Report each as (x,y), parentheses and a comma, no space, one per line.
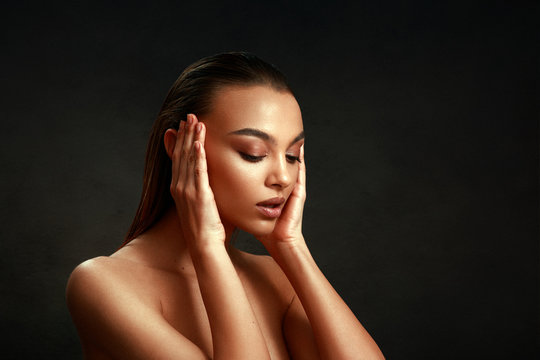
(336,331)
(235,330)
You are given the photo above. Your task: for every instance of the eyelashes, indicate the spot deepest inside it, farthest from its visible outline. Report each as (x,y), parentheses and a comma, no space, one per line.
(254,159)
(251,158)
(293,159)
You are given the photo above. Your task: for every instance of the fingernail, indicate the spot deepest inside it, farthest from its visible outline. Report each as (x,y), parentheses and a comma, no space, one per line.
(189,119)
(182,123)
(199,128)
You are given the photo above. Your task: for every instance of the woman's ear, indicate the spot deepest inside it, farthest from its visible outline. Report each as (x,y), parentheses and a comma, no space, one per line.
(169,140)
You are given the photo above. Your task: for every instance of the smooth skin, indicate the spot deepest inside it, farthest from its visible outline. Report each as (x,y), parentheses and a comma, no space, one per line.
(181,291)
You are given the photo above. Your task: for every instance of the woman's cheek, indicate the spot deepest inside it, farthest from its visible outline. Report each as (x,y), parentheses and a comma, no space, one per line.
(242,176)
(230,178)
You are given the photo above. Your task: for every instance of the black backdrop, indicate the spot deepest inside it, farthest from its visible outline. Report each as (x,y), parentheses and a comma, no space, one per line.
(422,154)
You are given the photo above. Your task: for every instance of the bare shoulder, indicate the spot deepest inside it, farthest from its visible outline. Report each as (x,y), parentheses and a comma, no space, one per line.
(93,285)
(93,274)
(104,279)
(91,269)
(88,277)
(112,301)
(93,291)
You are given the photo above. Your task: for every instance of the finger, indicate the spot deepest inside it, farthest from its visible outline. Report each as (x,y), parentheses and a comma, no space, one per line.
(192,162)
(294,205)
(204,192)
(302,169)
(187,147)
(200,132)
(202,183)
(200,135)
(177,152)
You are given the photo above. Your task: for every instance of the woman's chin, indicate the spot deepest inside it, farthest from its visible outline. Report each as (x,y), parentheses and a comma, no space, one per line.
(260,228)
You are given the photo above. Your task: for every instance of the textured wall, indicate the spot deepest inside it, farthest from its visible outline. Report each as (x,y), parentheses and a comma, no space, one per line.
(422,155)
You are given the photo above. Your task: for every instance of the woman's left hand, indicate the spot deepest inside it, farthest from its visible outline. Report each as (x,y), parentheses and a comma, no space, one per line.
(288,228)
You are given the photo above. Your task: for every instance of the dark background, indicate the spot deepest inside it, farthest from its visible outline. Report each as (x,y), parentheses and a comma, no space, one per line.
(422,154)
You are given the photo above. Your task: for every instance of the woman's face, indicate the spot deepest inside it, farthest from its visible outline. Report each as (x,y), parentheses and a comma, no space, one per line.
(252,146)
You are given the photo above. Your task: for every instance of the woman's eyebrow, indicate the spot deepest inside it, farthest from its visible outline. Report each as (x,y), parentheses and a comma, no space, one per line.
(262,135)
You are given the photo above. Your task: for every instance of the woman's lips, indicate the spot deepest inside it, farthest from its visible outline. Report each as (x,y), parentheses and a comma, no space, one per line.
(269,211)
(272,207)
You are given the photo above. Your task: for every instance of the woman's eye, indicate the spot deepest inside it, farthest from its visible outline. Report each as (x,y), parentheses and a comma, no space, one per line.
(251,158)
(292,159)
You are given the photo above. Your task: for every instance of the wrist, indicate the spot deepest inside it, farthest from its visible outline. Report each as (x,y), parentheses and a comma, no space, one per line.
(204,249)
(288,251)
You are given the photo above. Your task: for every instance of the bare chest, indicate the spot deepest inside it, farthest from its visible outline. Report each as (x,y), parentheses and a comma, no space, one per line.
(182,306)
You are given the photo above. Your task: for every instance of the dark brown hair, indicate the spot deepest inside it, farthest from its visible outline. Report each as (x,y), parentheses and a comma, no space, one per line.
(192,93)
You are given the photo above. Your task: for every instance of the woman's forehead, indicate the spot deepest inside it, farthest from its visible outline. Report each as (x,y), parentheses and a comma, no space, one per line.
(256,107)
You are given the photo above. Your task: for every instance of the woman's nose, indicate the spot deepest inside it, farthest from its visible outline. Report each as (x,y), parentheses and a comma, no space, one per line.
(278,175)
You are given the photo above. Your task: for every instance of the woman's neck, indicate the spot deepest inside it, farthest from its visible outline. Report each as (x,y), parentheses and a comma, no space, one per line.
(164,244)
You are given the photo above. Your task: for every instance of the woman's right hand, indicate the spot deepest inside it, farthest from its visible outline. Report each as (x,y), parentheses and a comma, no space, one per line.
(190,188)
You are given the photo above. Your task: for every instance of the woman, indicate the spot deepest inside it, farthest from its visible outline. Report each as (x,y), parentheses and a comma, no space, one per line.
(178,289)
